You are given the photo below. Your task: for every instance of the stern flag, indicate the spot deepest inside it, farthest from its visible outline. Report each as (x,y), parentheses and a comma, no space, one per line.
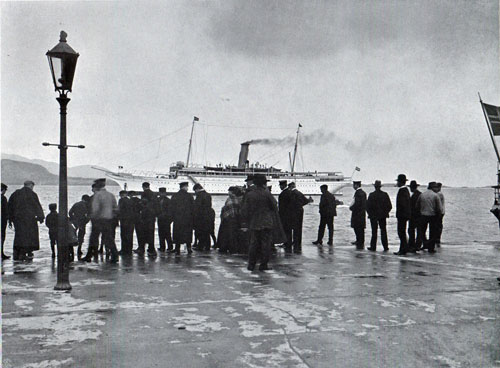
(493,113)
(196,119)
(300,125)
(357,169)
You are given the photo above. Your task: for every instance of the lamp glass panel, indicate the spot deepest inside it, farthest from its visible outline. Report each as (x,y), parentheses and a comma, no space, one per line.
(57,70)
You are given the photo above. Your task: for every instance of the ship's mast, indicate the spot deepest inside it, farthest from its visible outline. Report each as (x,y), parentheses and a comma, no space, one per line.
(191,140)
(295,149)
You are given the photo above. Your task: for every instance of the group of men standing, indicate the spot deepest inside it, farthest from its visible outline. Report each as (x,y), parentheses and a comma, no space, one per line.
(414,213)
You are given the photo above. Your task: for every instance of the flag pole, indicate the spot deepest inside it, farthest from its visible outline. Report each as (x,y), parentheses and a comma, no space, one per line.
(489,129)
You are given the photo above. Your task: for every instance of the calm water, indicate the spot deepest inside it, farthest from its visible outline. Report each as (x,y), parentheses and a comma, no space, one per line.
(467,221)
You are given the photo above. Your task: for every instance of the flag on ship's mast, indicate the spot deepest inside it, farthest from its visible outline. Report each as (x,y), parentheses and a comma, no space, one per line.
(492,116)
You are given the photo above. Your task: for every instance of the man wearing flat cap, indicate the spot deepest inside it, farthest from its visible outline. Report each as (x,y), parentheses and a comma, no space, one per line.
(5,217)
(358,215)
(378,207)
(164,222)
(414,225)
(327,211)
(431,209)
(25,211)
(182,204)
(403,212)
(104,211)
(296,215)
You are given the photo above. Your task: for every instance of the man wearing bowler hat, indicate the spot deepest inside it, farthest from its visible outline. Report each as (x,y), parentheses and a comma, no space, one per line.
(414,225)
(258,211)
(430,208)
(358,215)
(283,206)
(378,207)
(403,213)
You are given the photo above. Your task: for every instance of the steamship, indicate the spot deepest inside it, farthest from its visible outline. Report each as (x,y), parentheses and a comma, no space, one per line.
(217,179)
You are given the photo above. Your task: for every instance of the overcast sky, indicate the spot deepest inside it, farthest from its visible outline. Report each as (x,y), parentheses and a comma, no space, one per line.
(389,86)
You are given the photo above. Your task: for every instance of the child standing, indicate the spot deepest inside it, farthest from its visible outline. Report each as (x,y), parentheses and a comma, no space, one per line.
(51,222)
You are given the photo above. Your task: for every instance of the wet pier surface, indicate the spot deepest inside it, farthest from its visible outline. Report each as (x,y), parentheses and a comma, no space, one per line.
(330,306)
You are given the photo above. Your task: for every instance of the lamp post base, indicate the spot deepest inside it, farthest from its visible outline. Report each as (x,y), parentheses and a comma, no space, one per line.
(63,285)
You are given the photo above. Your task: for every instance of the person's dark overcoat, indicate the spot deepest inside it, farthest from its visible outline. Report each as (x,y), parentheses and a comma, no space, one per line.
(327,205)
(414,212)
(378,205)
(182,205)
(358,208)
(203,212)
(284,205)
(403,206)
(24,211)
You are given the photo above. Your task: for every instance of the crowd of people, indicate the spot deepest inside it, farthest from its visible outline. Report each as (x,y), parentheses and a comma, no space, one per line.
(252,220)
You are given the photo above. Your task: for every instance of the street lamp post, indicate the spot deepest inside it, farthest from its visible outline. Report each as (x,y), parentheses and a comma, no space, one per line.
(62,61)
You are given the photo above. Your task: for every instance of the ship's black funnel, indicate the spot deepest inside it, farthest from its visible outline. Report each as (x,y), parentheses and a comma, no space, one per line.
(242,161)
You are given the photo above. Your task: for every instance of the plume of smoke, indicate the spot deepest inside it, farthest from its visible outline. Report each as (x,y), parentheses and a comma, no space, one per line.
(316,137)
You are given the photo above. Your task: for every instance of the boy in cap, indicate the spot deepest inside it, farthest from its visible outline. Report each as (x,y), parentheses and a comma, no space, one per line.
(51,223)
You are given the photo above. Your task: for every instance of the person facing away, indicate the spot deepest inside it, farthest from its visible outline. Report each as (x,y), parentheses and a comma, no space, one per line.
(79,216)
(202,217)
(429,205)
(5,218)
(258,213)
(227,239)
(415,238)
(103,213)
(403,213)
(283,208)
(358,214)
(327,211)
(296,213)
(440,218)
(182,204)
(25,211)
(378,207)
(164,222)
(126,216)
(148,213)
(51,223)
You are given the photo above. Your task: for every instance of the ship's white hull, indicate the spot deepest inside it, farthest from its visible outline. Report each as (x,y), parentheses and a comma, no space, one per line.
(308,185)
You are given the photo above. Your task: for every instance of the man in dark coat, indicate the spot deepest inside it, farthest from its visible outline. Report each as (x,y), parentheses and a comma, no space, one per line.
(378,207)
(5,217)
(358,215)
(258,213)
(182,204)
(126,216)
(24,211)
(149,211)
(414,225)
(136,206)
(79,216)
(283,206)
(403,213)
(327,211)
(296,217)
(164,222)
(202,217)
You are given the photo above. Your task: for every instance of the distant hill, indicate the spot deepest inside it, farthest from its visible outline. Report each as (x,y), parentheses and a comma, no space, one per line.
(81,171)
(16,172)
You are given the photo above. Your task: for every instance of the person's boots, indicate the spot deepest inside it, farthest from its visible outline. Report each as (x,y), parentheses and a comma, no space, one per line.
(151,251)
(330,241)
(79,251)
(178,249)
(92,252)
(189,250)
